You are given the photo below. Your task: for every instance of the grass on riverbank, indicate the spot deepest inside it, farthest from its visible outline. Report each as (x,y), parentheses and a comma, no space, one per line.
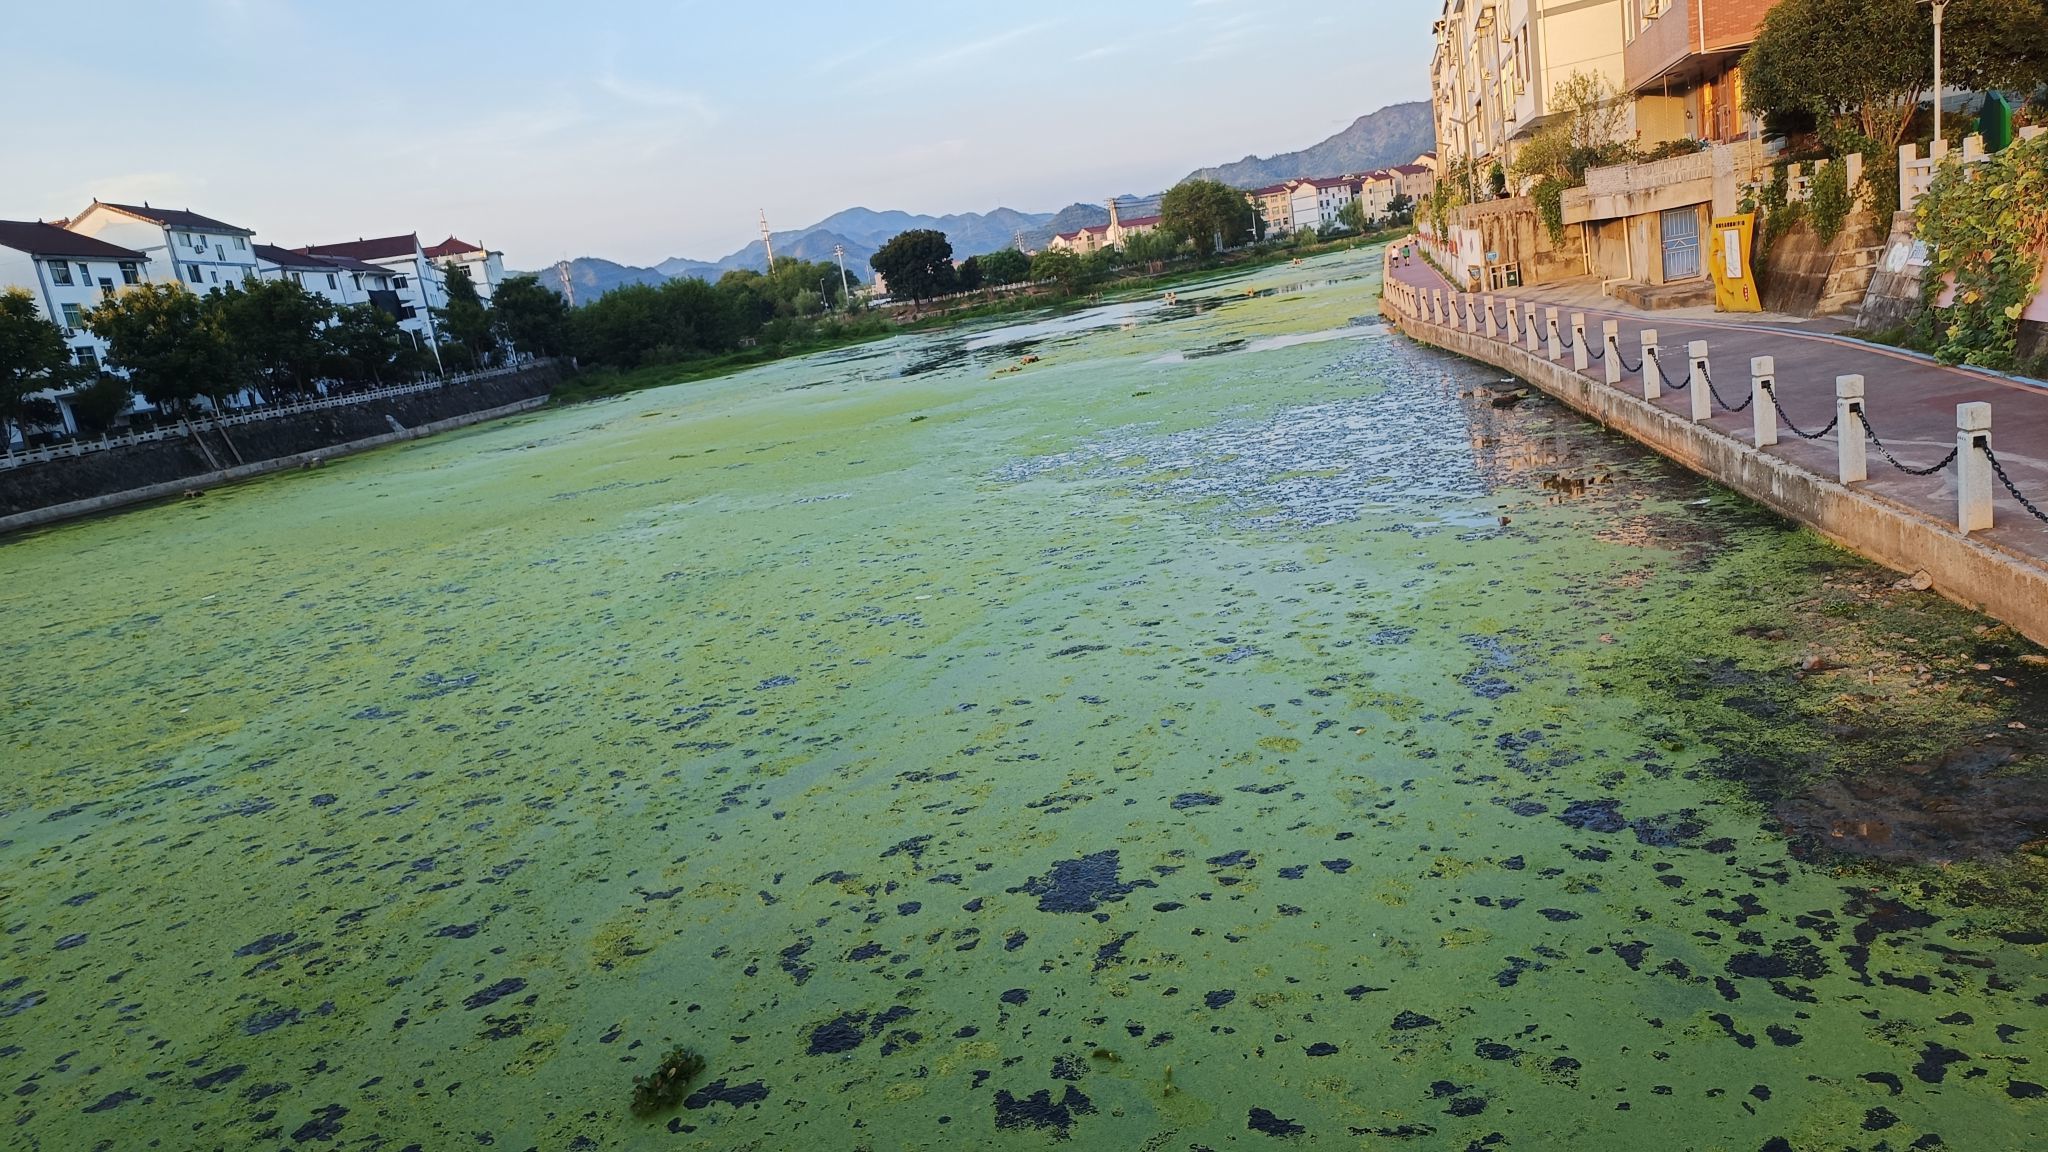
(604,383)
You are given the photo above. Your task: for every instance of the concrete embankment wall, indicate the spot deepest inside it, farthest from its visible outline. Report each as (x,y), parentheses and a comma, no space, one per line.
(1975,572)
(66,487)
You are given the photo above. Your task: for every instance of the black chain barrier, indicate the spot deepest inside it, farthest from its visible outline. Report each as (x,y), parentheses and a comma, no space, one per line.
(1999,470)
(1627,367)
(1871,434)
(1659,362)
(1796,430)
(1602,353)
(1721,399)
(1565,342)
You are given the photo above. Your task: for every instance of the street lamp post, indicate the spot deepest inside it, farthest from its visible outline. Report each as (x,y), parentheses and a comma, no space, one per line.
(1937,5)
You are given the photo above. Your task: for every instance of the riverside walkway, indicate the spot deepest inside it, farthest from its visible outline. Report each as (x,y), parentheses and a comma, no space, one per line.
(1903,492)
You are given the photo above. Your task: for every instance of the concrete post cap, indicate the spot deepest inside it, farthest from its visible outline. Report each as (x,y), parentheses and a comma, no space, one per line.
(1649,336)
(1973,417)
(1763,365)
(1849,387)
(1610,327)
(1697,349)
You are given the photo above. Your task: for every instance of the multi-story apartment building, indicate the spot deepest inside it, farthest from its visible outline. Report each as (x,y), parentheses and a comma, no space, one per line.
(1497,64)
(415,278)
(198,251)
(340,280)
(1317,202)
(486,268)
(66,274)
(1682,66)
(1272,203)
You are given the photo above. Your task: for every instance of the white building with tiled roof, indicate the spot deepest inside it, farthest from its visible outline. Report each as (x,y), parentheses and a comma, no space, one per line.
(198,251)
(486,268)
(416,279)
(66,274)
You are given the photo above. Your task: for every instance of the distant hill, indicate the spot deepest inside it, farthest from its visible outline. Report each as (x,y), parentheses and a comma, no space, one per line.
(1393,135)
(861,230)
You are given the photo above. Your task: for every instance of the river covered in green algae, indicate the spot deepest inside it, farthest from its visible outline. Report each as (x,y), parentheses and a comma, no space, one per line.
(1229,730)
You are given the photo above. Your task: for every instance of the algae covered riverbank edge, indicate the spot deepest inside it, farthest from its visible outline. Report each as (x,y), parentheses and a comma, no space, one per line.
(1229,729)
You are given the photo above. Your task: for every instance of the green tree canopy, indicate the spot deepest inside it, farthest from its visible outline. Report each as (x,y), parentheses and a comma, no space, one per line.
(32,358)
(917,264)
(273,328)
(466,319)
(530,316)
(363,345)
(97,405)
(1005,266)
(1206,212)
(169,341)
(1863,66)
(1060,265)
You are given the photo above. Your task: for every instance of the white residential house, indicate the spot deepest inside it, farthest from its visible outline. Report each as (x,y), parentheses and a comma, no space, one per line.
(1096,237)
(1316,202)
(416,279)
(197,251)
(486,268)
(341,280)
(67,274)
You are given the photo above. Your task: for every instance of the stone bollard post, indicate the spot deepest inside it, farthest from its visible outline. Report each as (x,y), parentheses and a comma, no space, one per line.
(1487,316)
(1653,384)
(1471,314)
(1973,467)
(1849,429)
(1529,328)
(1550,325)
(1610,336)
(1702,392)
(1763,373)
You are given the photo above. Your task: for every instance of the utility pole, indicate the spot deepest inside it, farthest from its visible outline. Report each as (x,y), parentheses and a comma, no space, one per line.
(845,289)
(1938,6)
(568,284)
(767,241)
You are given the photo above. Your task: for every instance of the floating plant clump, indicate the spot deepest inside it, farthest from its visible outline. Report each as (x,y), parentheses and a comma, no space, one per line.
(663,1088)
(1232,732)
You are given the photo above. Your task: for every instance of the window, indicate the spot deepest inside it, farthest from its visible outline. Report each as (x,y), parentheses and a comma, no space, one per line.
(85,273)
(191,241)
(299,278)
(399,283)
(130,274)
(73,317)
(215,276)
(60,272)
(87,357)
(332,282)
(238,244)
(192,273)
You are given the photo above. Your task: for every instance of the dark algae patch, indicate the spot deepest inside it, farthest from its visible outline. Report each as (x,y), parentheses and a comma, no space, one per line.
(1278,747)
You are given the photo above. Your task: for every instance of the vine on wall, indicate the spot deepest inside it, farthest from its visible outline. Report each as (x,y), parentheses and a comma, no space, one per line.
(1986,225)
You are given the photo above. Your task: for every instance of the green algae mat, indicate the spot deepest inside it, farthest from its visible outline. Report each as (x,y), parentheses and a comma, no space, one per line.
(1236,728)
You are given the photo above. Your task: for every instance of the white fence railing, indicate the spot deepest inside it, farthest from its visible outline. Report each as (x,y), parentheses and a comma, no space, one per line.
(1916,172)
(240,417)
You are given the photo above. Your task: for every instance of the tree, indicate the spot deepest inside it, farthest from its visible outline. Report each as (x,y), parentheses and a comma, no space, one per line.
(1859,65)
(1207,213)
(273,328)
(1146,247)
(168,341)
(32,358)
(530,316)
(967,277)
(1352,215)
(1007,266)
(362,345)
(97,405)
(466,320)
(1060,265)
(1401,209)
(917,263)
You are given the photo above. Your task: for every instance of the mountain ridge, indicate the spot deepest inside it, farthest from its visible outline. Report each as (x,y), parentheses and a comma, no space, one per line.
(1395,134)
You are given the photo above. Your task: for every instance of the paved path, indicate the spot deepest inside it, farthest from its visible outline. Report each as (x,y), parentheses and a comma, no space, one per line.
(1910,401)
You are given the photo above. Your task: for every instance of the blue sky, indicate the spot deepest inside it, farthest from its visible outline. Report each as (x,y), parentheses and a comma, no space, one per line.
(638,129)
